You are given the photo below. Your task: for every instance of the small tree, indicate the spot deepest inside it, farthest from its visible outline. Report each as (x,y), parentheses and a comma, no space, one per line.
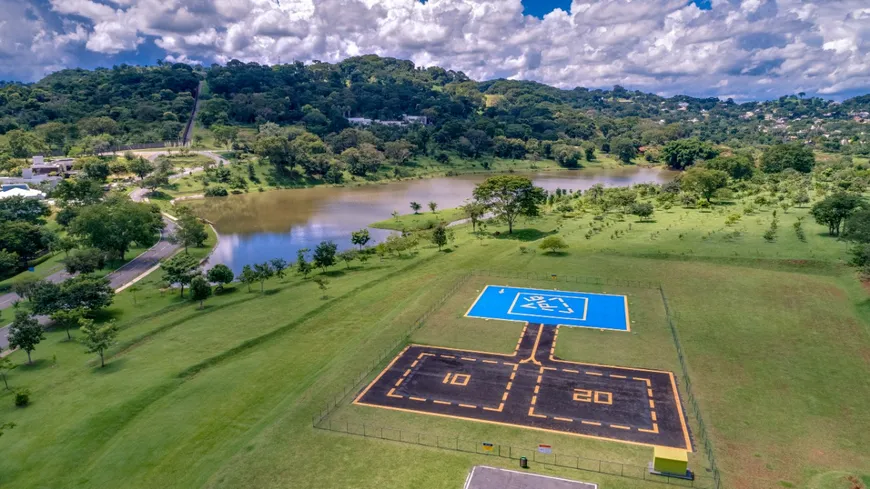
(248,276)
(322,284)
(348,256)
(474,211)
(439,236)
(189,230)
(264,272)
(200,290)
(643,210)
(302,265)
(416,207)
(220,274)
(6,366)
(360,238)
(280,266)
(67,319)
(133,289)
(553,244)
(180,269)
(432,206)
(324,254)
(703,181)
(140,167)
(25,333)
(97,339)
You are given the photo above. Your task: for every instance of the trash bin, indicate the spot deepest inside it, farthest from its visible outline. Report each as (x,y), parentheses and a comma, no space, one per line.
(524,463)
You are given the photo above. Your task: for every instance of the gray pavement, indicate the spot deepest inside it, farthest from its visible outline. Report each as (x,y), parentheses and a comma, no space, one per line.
(118,278)
(483,477)
(135,267)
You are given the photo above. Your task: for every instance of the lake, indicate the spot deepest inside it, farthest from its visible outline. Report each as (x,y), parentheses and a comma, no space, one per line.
(256,227)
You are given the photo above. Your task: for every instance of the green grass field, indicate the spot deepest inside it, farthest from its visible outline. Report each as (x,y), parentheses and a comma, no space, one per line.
(775,337)
(421,221)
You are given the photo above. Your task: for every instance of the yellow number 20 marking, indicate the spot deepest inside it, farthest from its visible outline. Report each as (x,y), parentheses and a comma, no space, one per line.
(598,397)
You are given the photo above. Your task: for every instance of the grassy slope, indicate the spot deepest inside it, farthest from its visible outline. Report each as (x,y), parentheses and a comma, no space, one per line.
(265,177)
(423,220)
(777,350)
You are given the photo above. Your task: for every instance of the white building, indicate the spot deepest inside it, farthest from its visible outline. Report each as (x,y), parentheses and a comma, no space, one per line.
(9,191)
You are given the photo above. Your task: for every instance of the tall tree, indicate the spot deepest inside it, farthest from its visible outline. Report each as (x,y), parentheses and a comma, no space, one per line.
(704,181)
(683,153)
(25,333)
(114,225)
(509,196)
(781,156)
(835,209)
(624,149)
(23,209)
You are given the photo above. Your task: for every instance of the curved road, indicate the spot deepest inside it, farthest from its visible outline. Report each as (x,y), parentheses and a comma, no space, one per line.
(130,270)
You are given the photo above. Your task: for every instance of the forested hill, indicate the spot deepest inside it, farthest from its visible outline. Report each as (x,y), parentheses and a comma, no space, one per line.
(125,103)
(145,104)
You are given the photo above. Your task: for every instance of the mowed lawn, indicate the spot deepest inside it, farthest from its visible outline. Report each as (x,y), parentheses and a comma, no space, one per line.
(224,397)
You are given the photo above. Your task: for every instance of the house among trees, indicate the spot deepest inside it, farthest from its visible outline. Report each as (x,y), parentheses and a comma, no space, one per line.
(405,121)
(41,167)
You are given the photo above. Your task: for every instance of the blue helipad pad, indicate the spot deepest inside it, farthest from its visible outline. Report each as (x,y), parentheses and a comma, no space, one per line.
(552,307)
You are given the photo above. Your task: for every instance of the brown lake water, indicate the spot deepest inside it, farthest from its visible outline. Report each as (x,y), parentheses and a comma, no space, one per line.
(256,227)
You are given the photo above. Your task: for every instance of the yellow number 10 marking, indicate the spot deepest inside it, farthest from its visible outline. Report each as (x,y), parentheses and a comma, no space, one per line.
(598,397)
(456,379)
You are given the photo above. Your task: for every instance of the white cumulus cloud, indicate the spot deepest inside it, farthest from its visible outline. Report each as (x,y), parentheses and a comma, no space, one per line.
(748,48)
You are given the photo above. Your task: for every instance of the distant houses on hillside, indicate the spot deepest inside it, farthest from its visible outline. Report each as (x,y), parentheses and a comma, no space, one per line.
(42,171)
(405,121)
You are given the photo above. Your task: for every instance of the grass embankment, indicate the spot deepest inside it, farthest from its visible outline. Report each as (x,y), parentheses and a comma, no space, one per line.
(258,175)
(420,221)
(775,336)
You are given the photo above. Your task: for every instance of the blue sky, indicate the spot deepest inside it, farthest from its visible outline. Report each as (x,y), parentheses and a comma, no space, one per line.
(540,8)
(745,49)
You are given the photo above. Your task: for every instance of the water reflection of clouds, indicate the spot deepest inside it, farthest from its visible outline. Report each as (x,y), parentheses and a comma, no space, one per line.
(276,224)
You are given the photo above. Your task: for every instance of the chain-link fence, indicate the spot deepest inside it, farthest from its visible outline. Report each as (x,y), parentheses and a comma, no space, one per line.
(703,435)
(577,279)
(513,453)
(388,352)
(321,419)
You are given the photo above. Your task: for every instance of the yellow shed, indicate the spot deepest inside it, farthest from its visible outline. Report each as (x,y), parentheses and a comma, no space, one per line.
(670,460)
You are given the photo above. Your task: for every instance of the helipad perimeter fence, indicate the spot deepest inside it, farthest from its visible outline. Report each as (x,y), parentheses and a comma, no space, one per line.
(713,481)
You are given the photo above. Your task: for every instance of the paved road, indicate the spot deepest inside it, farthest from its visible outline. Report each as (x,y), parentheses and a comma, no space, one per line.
(135,267)
(120,277)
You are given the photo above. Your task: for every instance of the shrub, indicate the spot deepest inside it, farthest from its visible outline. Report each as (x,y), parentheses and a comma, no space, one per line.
(22,397)
(553,244)
(216,191)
